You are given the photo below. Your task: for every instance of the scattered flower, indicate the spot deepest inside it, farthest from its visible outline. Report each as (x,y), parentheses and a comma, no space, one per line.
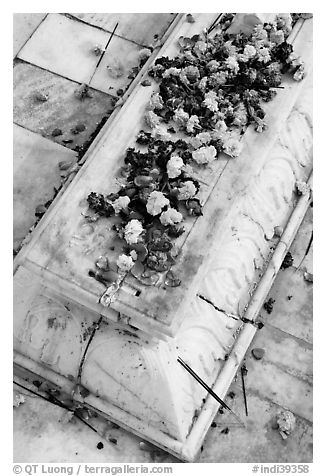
(174,166)
(188,190)
(156,202)
(232,146)
(192,124)
(204,155)
(120,203)
(232,64)
(171,217)
(181,117)
(125,263)
(152,119)
(155,102)
(133,230)
(210,101)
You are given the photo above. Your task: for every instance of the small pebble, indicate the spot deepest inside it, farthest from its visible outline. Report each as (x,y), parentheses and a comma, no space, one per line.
(65,164)
(56,132)
(40,210)
(102,263)
(225,431)
(231,394)
(113,440)
(42,97)
(98,50)
(308,277)
(278,231)
(146,82)
(120,92)
(100,445)
(190,18)
(258,353)
(213,425)
(78,128)
(290,297)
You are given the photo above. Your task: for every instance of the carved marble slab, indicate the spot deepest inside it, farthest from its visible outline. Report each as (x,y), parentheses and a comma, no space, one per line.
(65,247)
(130,373)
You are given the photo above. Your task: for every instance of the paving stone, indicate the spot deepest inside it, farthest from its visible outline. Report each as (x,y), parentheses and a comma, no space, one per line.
(63,110)
(258,442)
(121,56)
(292,310)
(42,435)
(24,25)
(36,173)
(285,351)
(279,386)
(64,46)
(138,27)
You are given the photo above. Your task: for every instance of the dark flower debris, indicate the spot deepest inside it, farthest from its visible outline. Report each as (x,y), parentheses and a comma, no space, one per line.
(268,305)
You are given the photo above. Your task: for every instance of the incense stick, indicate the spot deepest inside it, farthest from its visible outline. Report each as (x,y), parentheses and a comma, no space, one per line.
(209,390)
(103,52)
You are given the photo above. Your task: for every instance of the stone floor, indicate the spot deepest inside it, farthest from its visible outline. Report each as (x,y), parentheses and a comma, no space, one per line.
(281,380)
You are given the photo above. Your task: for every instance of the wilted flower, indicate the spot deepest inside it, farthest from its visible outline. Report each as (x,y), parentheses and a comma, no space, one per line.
(133,230)
(171,217)
(192,72)
(219,130)
(277,37)
(284,22)
(155,102)
(213,66)
(181,117)
(188,190)
(144,53)
(174,166)
(152,119)
(200,47)
(160,133)
(230,49)
(240,116)
(120,203)
(171,72)
(125,263)
(299,74)
(204,155)
(210,101)
(156,201)
(219,78)
(192,123)
(232,146)
(203,83)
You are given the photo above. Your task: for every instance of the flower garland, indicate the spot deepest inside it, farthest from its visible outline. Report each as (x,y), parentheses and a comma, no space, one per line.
(211,92)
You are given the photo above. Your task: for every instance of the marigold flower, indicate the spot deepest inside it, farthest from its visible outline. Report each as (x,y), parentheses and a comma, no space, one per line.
(174,166)
(156,201)
(171,217)
(132,232)
(204,155)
